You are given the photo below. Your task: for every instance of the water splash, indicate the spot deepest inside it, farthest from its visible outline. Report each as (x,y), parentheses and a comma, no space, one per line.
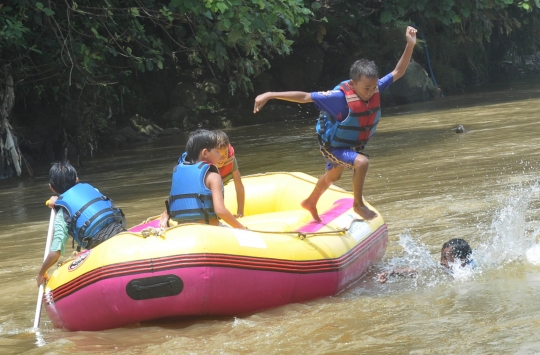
(462,273)
(533,254)
(416,256)
(511,236)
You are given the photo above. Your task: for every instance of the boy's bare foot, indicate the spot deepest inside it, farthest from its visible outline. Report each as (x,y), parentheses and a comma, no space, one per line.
(312,209)
(365,212)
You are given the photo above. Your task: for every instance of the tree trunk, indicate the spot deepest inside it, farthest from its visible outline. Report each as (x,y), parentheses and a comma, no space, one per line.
(10,155)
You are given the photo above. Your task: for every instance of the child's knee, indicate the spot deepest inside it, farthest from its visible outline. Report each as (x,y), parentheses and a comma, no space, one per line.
(333,175)
(361,162)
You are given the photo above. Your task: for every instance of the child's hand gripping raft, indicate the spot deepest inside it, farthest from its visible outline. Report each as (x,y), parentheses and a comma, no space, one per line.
(349,117)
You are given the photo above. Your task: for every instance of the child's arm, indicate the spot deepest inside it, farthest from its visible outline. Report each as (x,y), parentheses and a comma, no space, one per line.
(164,220)
(294,96)
(403,63)
(58,245)
(407,271)
(240,193)
(214,183)
(51,259)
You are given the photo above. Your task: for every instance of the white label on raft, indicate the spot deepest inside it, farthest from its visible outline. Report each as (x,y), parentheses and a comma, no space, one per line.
(249,239)
(359,230)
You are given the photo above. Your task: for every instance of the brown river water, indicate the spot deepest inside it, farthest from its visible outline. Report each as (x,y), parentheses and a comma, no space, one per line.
(429,183)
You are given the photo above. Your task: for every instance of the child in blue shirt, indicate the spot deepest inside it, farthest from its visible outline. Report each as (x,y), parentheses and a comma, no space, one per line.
(348,120)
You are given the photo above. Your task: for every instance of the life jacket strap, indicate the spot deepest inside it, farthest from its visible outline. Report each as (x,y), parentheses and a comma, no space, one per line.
(94,217)
(193,195)
(206,214)
(351,143)
(200,197)
(77,214)
(357,129)
(364,113)
(167,207)
(123,218)
(322,142)
(193,210)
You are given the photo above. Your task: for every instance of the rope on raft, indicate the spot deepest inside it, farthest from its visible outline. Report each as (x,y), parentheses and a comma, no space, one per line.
(159,232)
(304,235)
(151,231)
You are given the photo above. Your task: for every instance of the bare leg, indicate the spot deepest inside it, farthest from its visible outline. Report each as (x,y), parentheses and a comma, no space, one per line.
(327,179)
(361,164)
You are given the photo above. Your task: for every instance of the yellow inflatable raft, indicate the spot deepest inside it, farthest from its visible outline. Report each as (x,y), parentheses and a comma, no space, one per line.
(196,269)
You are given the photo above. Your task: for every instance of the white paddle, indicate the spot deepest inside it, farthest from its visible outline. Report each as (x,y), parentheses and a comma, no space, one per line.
(47,247)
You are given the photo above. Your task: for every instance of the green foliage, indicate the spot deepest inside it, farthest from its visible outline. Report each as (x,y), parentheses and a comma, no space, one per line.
(82,57)
(85,60)
(466,36)
(236,37)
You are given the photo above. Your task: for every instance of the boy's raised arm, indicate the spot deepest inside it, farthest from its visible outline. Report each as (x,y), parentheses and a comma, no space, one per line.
(293,96)
(403,63)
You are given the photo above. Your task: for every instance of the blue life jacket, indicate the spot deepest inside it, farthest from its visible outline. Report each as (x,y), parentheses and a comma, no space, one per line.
(190,199)
(357,128)
(89,211)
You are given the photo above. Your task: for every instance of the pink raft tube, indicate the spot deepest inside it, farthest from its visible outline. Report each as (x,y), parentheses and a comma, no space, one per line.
(193,269)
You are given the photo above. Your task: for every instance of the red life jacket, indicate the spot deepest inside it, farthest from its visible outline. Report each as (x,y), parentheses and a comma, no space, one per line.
(357,128)
(226,170)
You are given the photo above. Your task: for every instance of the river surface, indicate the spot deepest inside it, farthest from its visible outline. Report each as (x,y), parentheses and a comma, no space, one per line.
(429,183)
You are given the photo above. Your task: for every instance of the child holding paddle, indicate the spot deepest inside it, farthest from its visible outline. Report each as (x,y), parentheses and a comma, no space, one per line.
(81,211)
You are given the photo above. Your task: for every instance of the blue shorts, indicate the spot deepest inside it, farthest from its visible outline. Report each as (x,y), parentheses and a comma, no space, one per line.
(339,156)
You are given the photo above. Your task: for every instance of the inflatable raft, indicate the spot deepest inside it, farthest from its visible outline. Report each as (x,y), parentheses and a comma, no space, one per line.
(196,269)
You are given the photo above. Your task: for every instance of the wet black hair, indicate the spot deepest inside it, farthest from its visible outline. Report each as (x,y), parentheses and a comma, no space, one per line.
(363,67)
(460,248)
(62,176)
(223,140)
(199,140)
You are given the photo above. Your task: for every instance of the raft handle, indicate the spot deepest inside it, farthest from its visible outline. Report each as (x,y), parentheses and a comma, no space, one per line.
(154,287)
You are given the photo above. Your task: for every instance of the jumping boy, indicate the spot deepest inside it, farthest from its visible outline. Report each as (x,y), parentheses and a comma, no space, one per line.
(349,116)
(81,211)
(228,169)
(451,251)
(197,189)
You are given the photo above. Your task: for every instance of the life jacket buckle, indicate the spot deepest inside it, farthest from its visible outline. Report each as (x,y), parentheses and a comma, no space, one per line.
(322,126)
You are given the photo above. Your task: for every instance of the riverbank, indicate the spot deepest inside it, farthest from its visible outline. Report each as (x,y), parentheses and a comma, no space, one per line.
(138,130)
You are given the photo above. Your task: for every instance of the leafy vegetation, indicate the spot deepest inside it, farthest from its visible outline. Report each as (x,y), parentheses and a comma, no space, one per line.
(84,59)
(467,39)
(82,66)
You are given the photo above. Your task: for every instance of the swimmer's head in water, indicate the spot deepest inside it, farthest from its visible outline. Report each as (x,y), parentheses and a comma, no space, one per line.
(455,249)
